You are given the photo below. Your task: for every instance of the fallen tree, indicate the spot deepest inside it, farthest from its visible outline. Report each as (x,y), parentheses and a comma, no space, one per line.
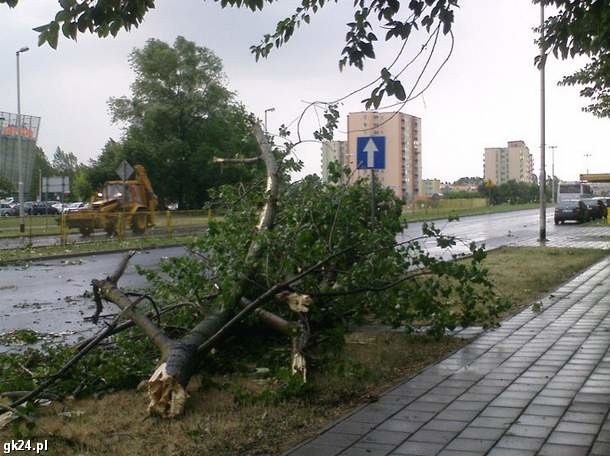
(312,254)
(253,267)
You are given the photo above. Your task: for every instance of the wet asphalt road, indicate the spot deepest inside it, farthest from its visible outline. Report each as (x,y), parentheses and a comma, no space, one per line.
(47,296)
(518,228)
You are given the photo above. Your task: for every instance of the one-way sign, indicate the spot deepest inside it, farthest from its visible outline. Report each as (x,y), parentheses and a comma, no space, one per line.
(370,152)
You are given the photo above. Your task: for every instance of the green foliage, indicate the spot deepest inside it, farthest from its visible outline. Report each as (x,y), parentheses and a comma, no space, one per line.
(103,168)
(366,276)
(461,194)
(286,387)
(64,163)
(26,336)
(81,185)
(41,165)
(6,186)
(179,116)
(511,192)
(583,28)
(122,365)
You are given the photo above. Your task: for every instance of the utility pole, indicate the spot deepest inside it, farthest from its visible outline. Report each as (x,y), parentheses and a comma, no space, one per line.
(553,191)
(19,157)
(542,237)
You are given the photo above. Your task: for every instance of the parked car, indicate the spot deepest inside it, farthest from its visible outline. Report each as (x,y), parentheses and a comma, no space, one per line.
(593,209)
(28,207)
(6,210)
(74,206)
(59,207)
(48,207)
(575,210)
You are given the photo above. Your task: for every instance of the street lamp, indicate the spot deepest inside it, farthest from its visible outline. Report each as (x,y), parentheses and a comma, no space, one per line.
(542,236)
(266,111)
(19,158)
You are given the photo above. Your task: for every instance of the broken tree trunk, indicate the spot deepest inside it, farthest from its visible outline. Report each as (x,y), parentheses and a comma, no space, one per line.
(167,385)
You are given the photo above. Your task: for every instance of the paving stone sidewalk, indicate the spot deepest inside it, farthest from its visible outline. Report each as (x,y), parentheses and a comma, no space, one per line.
(538,385)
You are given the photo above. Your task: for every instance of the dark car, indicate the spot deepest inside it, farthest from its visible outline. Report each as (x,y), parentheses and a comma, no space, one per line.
(593,208)
(46,207)
(575,210)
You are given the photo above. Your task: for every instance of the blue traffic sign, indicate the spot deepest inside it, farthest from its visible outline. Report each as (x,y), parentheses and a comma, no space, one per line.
(370,152)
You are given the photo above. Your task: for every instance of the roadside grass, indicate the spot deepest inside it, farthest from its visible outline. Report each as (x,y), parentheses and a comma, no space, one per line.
(524,274)
(30,253)
(48,225)
(242,413)
(232,416)
(434,214)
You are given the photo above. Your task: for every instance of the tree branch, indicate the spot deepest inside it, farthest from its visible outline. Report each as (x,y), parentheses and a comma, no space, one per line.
(264,297)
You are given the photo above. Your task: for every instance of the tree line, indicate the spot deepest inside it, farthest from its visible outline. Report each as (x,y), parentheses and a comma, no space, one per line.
(180,115)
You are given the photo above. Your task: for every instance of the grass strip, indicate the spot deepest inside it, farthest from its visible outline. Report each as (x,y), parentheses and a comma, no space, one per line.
(30,253)
(435,214)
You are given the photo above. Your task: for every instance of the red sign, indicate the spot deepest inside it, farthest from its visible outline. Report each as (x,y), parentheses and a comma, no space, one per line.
(12,130)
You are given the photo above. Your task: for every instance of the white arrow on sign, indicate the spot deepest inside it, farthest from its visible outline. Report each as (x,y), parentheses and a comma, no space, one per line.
(370,150)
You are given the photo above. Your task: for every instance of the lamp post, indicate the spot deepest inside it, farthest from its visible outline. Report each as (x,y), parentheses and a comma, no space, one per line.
(542,236)
(266,111)
(19,158)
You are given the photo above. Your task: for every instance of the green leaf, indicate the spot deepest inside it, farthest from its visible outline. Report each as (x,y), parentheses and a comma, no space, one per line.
(53,34)
(399,90)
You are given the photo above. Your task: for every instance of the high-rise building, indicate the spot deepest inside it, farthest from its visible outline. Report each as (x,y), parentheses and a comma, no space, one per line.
(9,156)
(333,151)
(503,164)
(402,133)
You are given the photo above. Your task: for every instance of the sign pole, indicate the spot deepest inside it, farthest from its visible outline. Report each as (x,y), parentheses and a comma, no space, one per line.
(373,194)
(124,163)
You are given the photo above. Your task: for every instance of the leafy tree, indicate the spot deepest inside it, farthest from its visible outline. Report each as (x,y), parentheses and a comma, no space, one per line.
(81,185)
(6,186)
(512,192)
(103,168)
(580,27)
(42,167)
(179,116)
(583,28)
(64,163)
(476,181)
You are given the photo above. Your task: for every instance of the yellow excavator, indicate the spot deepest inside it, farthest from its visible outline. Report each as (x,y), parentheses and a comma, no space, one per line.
(119,205)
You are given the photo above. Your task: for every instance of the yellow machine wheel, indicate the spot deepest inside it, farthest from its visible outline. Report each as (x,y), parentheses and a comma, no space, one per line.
(86,230)
(110,228)
(138,223)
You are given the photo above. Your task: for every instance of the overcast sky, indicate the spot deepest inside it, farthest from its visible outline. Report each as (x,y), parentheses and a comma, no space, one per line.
(487,94)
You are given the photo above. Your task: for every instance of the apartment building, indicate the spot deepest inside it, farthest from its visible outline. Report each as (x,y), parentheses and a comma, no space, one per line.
(430,187)
(403,166)
(513,162)
(333,151)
